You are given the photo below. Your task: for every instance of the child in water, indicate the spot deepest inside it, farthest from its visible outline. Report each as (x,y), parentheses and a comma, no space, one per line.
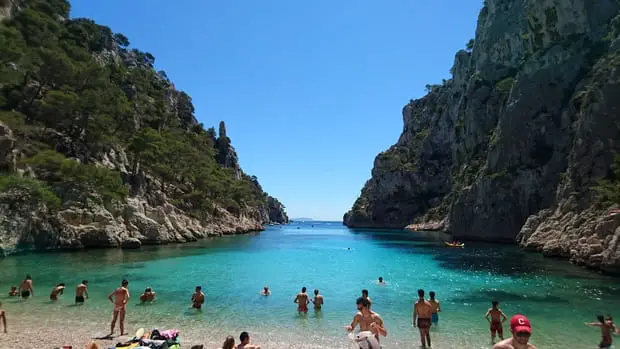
(496,321)
(607,328)
(13,291)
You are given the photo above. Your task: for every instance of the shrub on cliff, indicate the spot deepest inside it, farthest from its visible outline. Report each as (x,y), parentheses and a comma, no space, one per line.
(28,191)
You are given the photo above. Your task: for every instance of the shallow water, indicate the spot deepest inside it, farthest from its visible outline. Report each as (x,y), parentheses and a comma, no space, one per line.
(556,296)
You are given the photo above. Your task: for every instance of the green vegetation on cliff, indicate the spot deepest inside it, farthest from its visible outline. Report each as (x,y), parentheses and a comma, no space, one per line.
(73,92)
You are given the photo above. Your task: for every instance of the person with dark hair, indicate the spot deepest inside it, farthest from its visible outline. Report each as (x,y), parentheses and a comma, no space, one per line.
(365,295)
(147,296)
(25,288)
(607,328)
(245,342)
(81,292)
(302,301)
(198,298)
(496,321)
(57,290)
(317,301)
(229,343)
(367,320)
(422,316)
(3,318)
(121,297)
(521,331)
(381,282)
(436,307)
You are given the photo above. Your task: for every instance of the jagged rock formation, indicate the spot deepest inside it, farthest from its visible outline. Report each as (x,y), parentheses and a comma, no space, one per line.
(525,128)
(99,150)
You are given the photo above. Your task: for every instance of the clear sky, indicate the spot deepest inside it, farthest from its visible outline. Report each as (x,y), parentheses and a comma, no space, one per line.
(311,91)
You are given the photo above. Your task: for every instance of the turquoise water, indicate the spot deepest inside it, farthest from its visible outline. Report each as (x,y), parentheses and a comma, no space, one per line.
(556,296)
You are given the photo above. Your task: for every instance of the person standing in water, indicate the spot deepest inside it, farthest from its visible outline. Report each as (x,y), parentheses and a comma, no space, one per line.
(317,301)
(607,328)
(365,295)
(198,298)
(25,288)
(121,297)
(436,307)
(81,292)
(381,282)
(302,301)
(367,319)
(58,290)
(147,296)
(521,331)
(496,321)
(422,316)
(265,291)
(3,318)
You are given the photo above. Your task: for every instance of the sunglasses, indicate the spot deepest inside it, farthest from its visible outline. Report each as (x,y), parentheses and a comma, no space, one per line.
(523,334)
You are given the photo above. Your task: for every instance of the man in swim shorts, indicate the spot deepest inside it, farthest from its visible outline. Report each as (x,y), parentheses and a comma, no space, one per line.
(607,328)
(422,315)
(121,297)
(496,321)
(436,307)
(58,290)
(245,342)
(367,319)
(302,301)
(365,295)
(81,292)
(25,288)
(198,298)
(317,301)
(521,331)
(3,317)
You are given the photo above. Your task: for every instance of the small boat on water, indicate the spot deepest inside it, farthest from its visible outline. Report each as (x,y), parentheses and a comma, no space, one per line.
(453,244)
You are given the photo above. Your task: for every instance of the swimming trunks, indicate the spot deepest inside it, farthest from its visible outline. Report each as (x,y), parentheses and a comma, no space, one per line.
(53,297)
(119,307)
(605,345)
(25,294)
(302,307)
(496,326)
(435,318)
(197,305)
(424,323)
(79,299)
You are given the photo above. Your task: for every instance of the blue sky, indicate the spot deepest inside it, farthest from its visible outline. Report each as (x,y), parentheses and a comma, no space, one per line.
(311,91)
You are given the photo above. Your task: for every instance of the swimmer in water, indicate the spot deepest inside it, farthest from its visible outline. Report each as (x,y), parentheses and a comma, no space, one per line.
(496,322)
(265,291)
(381,282)
(13,292)
(302,301)
(607,328)
(58,290)
(198,298)
(147,296)
(317,301)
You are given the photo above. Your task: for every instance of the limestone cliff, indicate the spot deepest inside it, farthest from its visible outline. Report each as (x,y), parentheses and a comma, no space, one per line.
(526,127)
(97,149)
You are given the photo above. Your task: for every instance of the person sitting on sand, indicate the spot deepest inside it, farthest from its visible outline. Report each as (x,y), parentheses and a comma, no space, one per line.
(302,301)
(121,297)
(265,291)
(317,301)
(198,298)
(367,319)
(3,318)
(81,292)
(496,321)
(245,342)
(521,331)
(13,292)
(229,343)
(148,295)
(607,328)
(58,290)
(25,288)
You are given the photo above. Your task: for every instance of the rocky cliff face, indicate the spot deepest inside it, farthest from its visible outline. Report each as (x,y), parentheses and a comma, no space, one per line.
(525,128)
(277,211)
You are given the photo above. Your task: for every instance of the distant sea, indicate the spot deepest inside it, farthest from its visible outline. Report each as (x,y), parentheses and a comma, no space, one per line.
(556,296)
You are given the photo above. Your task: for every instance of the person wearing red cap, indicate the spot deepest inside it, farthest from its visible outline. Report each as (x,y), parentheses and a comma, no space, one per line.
(521,332)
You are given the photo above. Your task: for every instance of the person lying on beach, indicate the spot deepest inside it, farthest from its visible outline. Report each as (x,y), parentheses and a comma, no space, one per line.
(245,342)
(13,292)
(367,320)
(318,300)
(81,292)
(3,318)
(521,331)
(496,321)
(121,297)
(58,290)
(198,298)
(265,291)
(302,301)
(148,295)
(25,288)
(607,328)
(229,343)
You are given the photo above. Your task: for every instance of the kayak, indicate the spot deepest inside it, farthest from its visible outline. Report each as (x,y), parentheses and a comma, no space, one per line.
(449,244)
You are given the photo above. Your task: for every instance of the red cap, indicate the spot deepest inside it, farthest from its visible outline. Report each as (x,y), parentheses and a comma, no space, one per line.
(520,323)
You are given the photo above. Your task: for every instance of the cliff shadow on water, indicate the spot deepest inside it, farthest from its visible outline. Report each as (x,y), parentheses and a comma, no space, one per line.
(519,145)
